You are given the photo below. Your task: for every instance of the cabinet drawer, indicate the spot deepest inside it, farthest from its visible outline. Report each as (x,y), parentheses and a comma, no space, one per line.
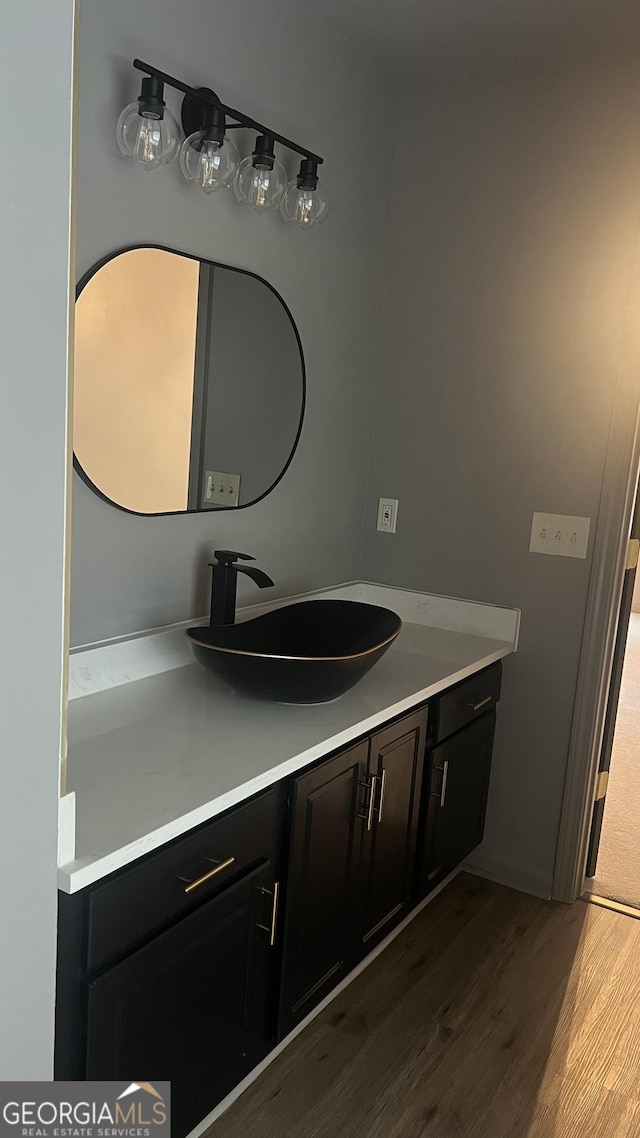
(126,909)
(465,702)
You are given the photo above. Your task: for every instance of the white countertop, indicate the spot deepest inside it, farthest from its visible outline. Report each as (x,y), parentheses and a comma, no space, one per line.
(150,759)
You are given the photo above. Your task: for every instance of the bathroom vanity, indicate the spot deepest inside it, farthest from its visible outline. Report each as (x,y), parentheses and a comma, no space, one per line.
(236,860)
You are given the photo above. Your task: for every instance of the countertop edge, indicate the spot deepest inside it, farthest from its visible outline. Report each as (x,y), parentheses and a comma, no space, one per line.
(77,875)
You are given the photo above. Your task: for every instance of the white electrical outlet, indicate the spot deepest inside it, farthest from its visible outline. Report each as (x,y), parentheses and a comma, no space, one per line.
(560,535)
(221,489)
(387,514)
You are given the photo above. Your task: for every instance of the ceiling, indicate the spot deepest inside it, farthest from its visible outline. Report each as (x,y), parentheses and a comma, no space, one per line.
(434,38)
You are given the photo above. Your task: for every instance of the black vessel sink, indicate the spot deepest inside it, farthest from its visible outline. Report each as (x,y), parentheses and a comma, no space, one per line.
(308,652)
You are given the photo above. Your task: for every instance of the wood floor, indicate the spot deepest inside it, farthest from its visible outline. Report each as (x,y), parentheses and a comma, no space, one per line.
(493,1015)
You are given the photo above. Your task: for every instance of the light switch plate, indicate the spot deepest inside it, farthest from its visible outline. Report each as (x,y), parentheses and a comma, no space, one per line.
(221,489)
(560,535)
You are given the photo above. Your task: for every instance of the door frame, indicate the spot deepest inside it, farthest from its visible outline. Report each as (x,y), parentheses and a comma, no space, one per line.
(613,528)
(613,706)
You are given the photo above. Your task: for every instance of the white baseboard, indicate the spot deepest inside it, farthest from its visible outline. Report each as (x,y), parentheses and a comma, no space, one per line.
(515,876)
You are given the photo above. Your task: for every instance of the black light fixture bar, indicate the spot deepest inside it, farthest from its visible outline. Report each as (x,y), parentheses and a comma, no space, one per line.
(240,118)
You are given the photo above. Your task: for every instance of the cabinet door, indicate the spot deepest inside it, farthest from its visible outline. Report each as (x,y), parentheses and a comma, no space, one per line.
(396,762)
(192,1006)
(328,808)
(459,783)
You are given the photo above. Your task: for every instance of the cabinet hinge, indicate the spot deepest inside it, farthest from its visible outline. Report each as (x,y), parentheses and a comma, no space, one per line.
(602,782)
(633,553)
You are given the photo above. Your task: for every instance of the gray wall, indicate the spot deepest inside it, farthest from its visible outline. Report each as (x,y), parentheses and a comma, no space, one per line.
(280,63)
(513,231)
(34,281)
(513,241)
(255,387)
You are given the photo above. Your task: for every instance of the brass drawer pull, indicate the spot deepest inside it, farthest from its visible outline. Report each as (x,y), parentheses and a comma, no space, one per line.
(383,783)
(274,913)
(445,775)
(481,703)
(218,867)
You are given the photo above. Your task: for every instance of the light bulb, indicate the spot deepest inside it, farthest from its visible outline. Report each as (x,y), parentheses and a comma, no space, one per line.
(305,202)
(261,179)
(207,162)
(147,132)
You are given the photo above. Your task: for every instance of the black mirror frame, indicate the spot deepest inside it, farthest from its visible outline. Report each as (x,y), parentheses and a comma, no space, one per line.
(77,466)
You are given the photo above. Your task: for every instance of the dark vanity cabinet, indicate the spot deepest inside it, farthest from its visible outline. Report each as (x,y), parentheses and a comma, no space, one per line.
(352,851)
(177,965)
(396,763)
(328,807)
(457,769)
(192,1004)
(190,963)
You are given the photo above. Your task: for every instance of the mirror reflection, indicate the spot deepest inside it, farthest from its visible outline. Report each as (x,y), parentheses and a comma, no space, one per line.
(189,383)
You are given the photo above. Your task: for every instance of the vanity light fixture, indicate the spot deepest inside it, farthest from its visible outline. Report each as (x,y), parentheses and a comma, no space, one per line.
(261,180)
(148,134)
(207,157)
(305,202)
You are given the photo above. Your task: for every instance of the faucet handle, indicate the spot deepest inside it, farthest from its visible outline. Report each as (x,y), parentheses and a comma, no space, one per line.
(227,557)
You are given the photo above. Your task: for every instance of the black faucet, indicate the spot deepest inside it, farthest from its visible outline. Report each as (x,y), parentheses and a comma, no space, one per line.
(225,581)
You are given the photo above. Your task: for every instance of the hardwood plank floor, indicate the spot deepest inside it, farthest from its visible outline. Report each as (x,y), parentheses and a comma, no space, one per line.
(493,1015)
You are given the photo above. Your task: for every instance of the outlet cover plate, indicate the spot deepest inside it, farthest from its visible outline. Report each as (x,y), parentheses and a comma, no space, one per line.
(221,489)
(387,515)
(560,535)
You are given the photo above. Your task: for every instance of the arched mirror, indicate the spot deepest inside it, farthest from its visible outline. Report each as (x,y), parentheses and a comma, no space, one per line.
(189,384)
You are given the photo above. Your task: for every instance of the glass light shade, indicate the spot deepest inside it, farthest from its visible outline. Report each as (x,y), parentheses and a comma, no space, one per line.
(258,186)
(207,163)
(147,139)
(304,207)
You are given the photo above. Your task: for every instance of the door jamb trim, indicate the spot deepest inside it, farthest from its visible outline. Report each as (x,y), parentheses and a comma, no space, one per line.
(615,516)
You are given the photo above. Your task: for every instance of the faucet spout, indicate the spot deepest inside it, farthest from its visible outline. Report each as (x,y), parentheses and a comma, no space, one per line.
(225,582)
(262,580)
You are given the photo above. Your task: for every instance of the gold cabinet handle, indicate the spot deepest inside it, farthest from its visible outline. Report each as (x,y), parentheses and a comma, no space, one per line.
(271,929)
(383,783)
(218,867)
(481,703)
(445,775)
